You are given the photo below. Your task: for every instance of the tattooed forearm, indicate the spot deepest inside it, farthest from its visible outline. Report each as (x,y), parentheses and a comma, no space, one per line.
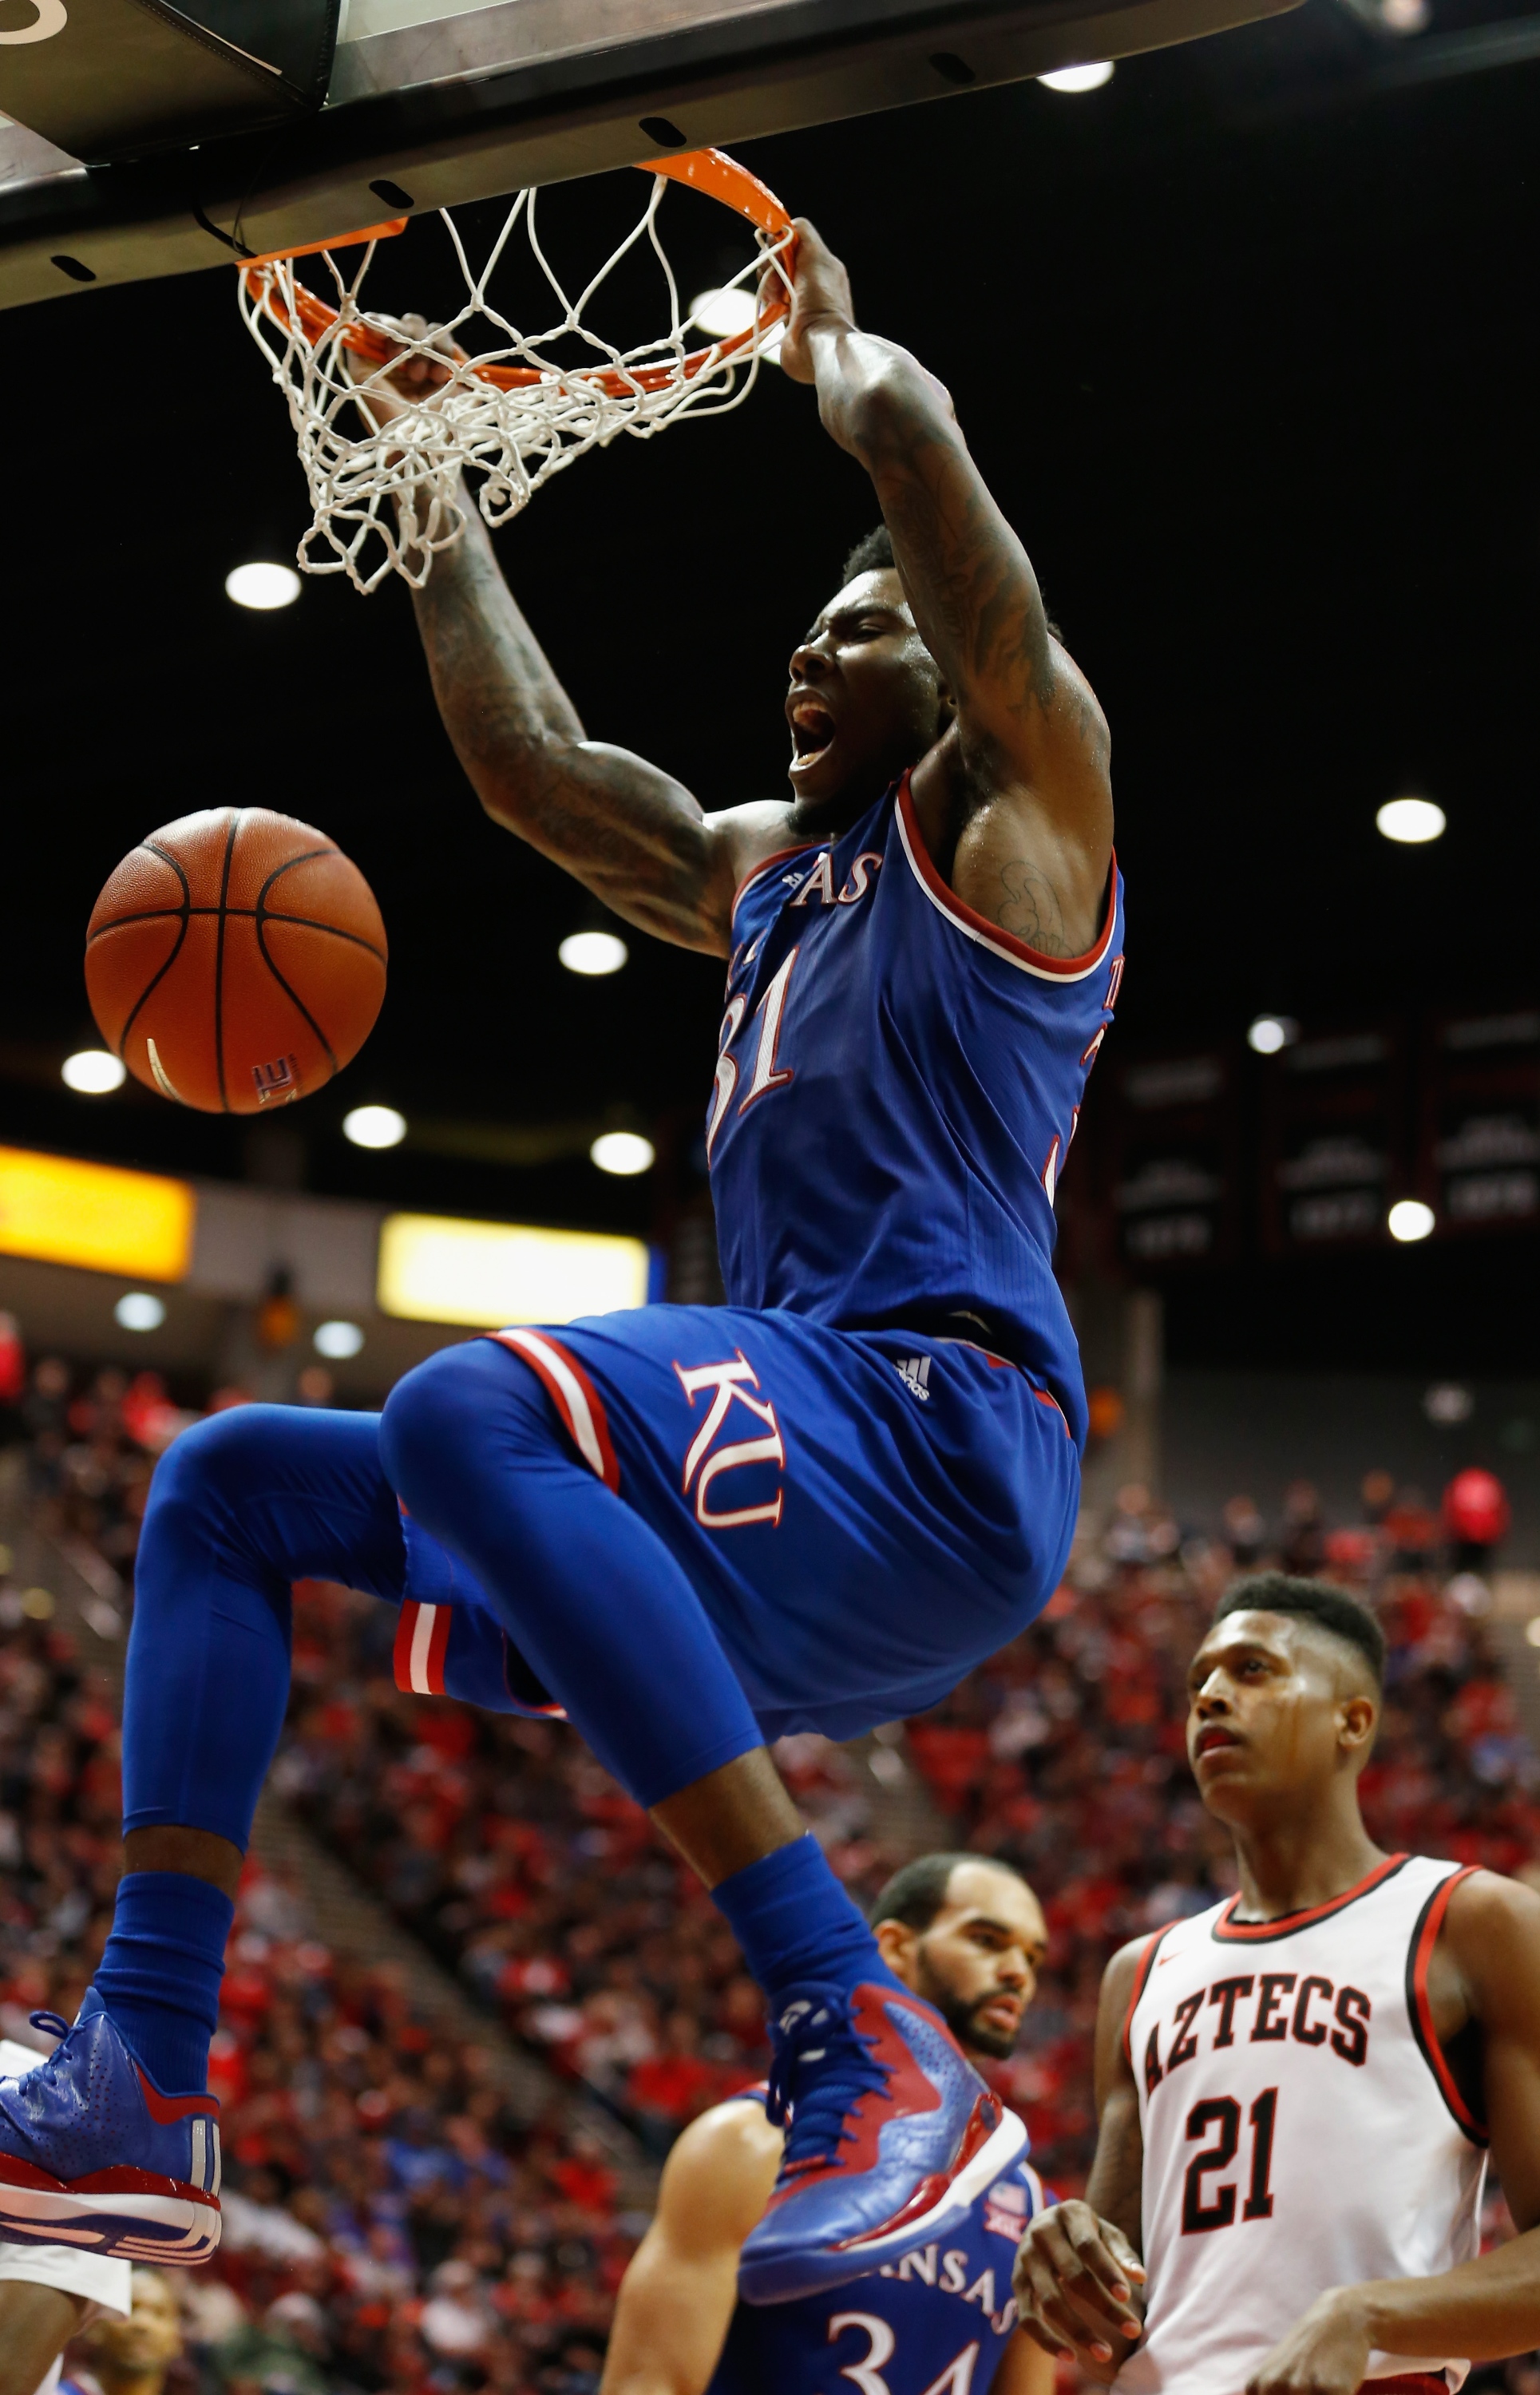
(626,830)
(969,580)
(1029,907)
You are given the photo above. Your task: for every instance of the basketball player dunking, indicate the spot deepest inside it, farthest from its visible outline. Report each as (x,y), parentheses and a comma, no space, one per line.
(694,1529)
(1297,2089)
(969,1935)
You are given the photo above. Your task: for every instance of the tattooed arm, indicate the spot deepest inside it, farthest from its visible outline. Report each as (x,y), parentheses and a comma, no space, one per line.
(626,830)
(1014,800)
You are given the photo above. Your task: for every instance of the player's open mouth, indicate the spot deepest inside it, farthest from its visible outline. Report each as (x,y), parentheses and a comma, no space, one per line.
(812,730)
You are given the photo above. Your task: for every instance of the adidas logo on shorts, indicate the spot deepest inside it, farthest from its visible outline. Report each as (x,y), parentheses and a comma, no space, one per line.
(914,1372)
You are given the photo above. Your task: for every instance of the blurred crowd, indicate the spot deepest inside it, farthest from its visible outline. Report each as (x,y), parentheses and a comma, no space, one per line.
(392,2227)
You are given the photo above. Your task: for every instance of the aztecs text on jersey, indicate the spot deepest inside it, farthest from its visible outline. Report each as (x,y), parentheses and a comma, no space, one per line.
(1302,2128)
(935,2323)
(897,1089)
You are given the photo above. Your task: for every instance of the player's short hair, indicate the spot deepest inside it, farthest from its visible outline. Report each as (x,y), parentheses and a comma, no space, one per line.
(871,554)
(1310,1600)
(916,1894)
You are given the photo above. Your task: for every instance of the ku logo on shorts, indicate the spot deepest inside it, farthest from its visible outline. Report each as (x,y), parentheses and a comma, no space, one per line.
(702,1465)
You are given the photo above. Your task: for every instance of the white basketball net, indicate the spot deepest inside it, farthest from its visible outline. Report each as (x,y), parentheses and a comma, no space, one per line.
(386,493)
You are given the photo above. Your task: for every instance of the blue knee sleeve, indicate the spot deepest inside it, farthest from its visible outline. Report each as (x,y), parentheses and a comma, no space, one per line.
(240,1507)
(587,1591)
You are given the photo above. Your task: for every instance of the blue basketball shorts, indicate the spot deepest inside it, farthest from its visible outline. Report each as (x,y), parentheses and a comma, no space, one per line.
(863,1515)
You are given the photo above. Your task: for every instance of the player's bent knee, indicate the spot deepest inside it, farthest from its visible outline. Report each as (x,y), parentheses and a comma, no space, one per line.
(215,1461)
(439,1422)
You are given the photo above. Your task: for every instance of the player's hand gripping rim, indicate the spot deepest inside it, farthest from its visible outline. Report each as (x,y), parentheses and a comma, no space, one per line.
(424,362)
(821,301)
(1075,2283)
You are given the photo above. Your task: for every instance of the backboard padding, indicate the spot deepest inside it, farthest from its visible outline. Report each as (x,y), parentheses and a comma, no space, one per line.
(445,137)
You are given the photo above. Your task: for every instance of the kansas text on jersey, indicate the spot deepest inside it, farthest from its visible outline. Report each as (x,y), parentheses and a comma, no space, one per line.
(897,1088)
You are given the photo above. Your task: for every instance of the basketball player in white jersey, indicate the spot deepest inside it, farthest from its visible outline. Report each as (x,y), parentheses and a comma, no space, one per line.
(1297,2088)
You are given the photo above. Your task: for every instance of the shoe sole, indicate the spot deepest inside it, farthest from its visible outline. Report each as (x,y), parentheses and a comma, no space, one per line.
(133,2214)
(780,2277)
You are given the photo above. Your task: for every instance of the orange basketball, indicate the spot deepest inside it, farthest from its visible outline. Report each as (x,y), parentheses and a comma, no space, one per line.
(235,961)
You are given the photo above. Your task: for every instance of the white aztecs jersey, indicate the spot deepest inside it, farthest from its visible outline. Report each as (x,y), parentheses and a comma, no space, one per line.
(1302,2129)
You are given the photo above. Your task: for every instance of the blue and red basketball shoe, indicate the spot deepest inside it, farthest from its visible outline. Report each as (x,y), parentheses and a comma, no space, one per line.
(890,2138)
(93,2156)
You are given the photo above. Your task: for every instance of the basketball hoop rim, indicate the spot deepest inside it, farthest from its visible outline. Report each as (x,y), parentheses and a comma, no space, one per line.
(712,172)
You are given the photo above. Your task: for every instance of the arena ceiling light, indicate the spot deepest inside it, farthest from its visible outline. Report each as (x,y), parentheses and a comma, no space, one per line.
(722,314)
(1272,1032)
(262,586)
(138,1310)
(337,1341)
(594,953)
(1409,821)
(1089,78)
(374,1127)
(1408,1220)
(93,1071)
(623,1151)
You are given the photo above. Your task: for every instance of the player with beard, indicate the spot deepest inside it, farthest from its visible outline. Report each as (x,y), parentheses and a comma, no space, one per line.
(969,1936)
(1297,2088)
(697,1529)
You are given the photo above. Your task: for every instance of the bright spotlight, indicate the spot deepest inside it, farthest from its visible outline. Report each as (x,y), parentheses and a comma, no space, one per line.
(1272,1032)
(1411,821)
(722,314)
(262,587)
(1409,1219)
(592,952)
(93,1072)
(374,1127)
(1087,78)
(338,1339)
(623,1151)
(139,1311)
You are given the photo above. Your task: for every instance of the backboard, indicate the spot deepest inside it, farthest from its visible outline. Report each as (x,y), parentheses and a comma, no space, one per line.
(431,102)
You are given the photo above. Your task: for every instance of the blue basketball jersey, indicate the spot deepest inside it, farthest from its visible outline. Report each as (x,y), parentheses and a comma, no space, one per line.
(898,1086)
(935,2323)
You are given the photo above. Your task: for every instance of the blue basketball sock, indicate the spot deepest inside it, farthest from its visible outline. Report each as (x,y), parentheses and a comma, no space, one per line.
(159,1975)
(795,1923)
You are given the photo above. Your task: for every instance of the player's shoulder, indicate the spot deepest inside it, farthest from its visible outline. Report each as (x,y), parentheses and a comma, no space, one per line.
(751,835)
(1492,1924)
(724,2162)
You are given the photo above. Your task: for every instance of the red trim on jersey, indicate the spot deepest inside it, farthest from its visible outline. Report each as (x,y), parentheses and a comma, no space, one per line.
(1255,1933)
(978,927)
(1141,1981)
(572,1395)
(1423,1938)
(1046,1397)
(775,856)
(421,1675)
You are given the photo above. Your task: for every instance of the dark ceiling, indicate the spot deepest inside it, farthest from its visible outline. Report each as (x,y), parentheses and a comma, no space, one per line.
(1245,344)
